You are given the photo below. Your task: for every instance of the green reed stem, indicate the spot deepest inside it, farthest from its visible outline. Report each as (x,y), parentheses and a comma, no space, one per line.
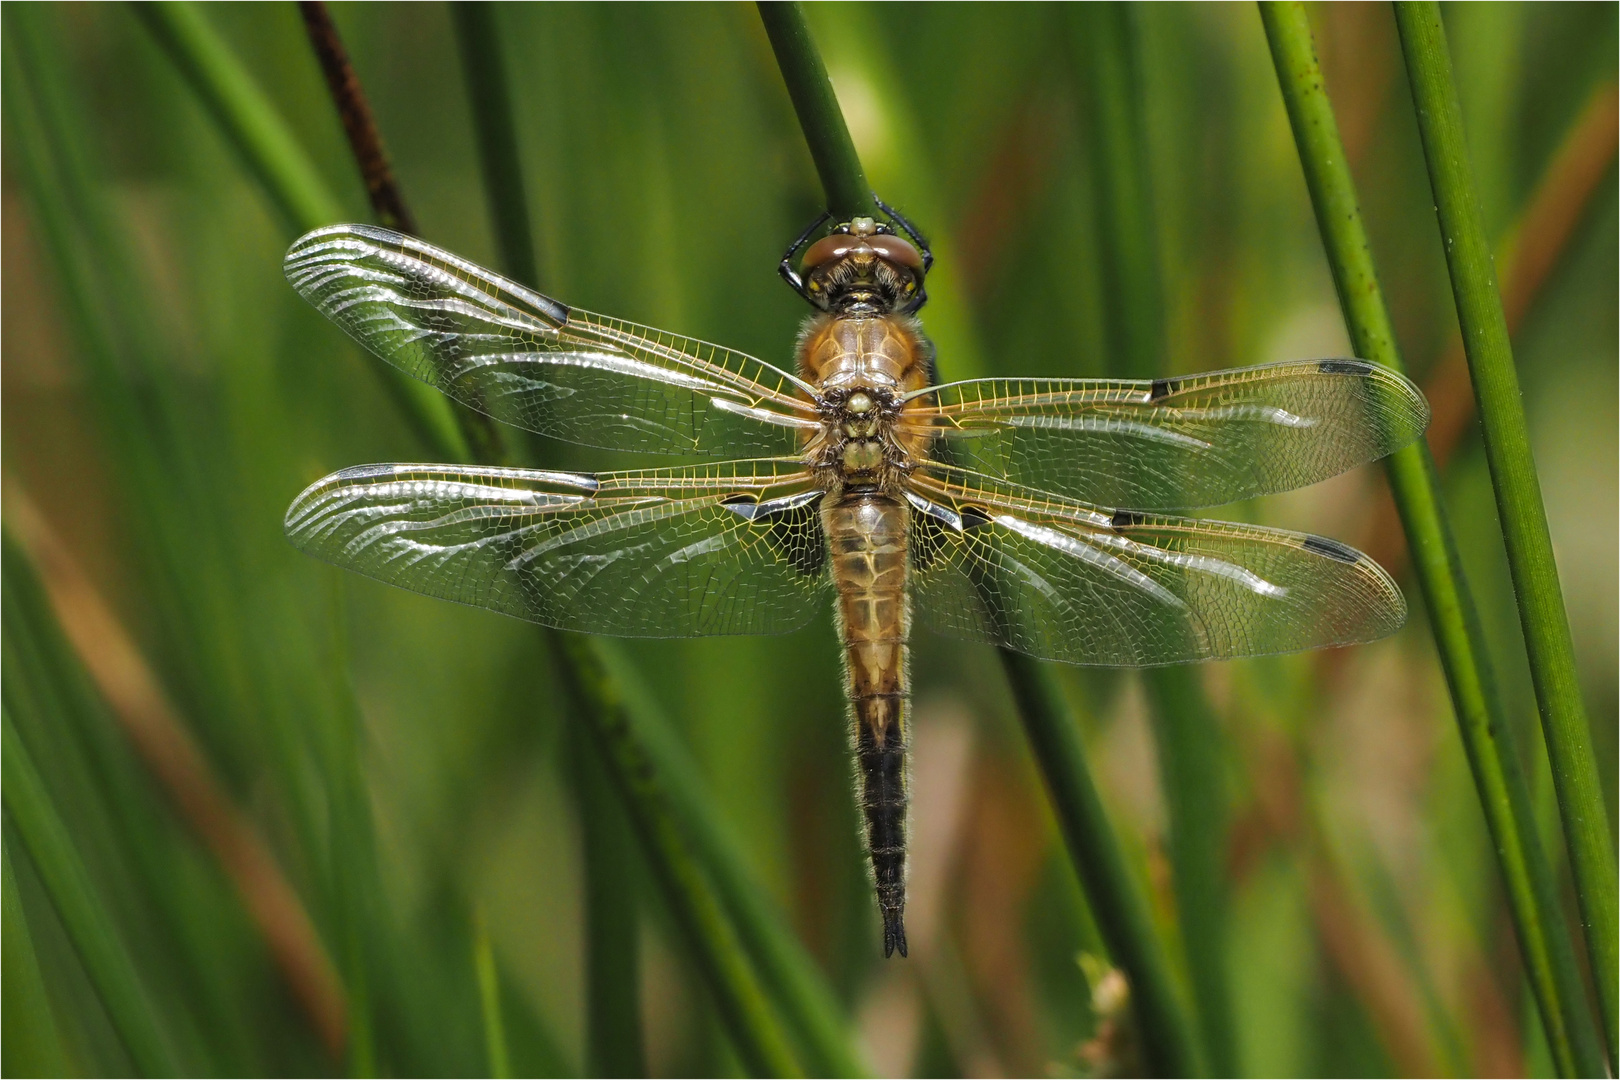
(1116,898)
(484,68)
(74,896)
(1185,731)
(745,1008)
(1544,944)
(817,1021)
(1518,495)
(242,111)
(825,133)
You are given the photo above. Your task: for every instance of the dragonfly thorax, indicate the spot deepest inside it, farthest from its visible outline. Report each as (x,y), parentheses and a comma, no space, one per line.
(857,444)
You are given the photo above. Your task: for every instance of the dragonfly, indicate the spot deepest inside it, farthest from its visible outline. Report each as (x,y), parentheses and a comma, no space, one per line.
(1034,514)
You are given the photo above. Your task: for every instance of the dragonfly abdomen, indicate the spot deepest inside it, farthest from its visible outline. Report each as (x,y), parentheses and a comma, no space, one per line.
(866,534)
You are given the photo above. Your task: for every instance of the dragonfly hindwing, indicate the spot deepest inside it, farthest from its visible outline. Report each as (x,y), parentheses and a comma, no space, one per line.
(791,526)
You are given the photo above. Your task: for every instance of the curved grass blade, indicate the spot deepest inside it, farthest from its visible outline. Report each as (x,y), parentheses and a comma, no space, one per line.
(1454,619)
(274,157)
(30,1045)
(73,894)
(1547,641)
(248,119)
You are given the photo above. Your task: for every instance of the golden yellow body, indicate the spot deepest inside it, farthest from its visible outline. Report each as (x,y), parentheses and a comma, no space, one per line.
(874,361)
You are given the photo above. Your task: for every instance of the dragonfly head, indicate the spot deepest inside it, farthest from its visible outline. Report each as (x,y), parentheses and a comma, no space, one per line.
(863,268)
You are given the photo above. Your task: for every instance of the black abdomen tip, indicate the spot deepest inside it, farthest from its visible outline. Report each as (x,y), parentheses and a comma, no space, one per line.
(894,932)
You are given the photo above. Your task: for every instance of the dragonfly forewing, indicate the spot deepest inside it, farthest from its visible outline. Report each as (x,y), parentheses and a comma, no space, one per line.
(528,360)
(728,548)
(1203,440)
(1063,581)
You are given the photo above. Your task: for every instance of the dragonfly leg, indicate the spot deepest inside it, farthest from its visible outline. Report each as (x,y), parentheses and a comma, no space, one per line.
(923,249)
(910,229)
(786,268)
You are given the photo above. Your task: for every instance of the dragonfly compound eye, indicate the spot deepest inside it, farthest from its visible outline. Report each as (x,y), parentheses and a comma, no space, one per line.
(827,250)
(897,252)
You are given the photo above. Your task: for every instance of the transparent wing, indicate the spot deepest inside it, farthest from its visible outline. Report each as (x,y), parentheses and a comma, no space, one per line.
(528,360)
(1198,441)
(732,548)
(1063,581)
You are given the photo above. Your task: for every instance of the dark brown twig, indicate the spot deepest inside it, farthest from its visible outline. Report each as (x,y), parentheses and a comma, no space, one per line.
(355,112)
(387,201)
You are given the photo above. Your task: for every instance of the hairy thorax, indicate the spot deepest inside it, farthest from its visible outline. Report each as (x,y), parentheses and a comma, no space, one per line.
(864,367)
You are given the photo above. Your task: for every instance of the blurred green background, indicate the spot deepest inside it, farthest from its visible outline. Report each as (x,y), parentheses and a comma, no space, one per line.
(404,761)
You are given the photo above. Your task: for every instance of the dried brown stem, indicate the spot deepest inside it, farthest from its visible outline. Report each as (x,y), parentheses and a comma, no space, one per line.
(355,112)
(160,738)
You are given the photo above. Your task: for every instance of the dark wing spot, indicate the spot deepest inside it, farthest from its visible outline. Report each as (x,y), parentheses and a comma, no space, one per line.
(1124,519)
(974,517)
(1344,367)
(1332,549)
(1162,388)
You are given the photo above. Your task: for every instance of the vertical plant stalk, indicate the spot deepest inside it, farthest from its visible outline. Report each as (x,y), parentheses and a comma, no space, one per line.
(1537,244)
(74,896)
(719,953)
(1185,731)
(355,113)
(825,133)
(1117,902)
(248,119)
(1121,909)
(612,916)
(818,1025)
(480,433)
(1544,943)
(484,68)
(1550,650)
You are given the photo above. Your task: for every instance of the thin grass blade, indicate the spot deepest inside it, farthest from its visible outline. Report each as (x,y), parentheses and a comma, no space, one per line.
(30,1045)
(1520,509)
(77,904)
(1453,615)
(274,157)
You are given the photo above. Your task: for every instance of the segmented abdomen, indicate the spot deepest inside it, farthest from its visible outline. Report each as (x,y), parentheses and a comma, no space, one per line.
(866,533)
